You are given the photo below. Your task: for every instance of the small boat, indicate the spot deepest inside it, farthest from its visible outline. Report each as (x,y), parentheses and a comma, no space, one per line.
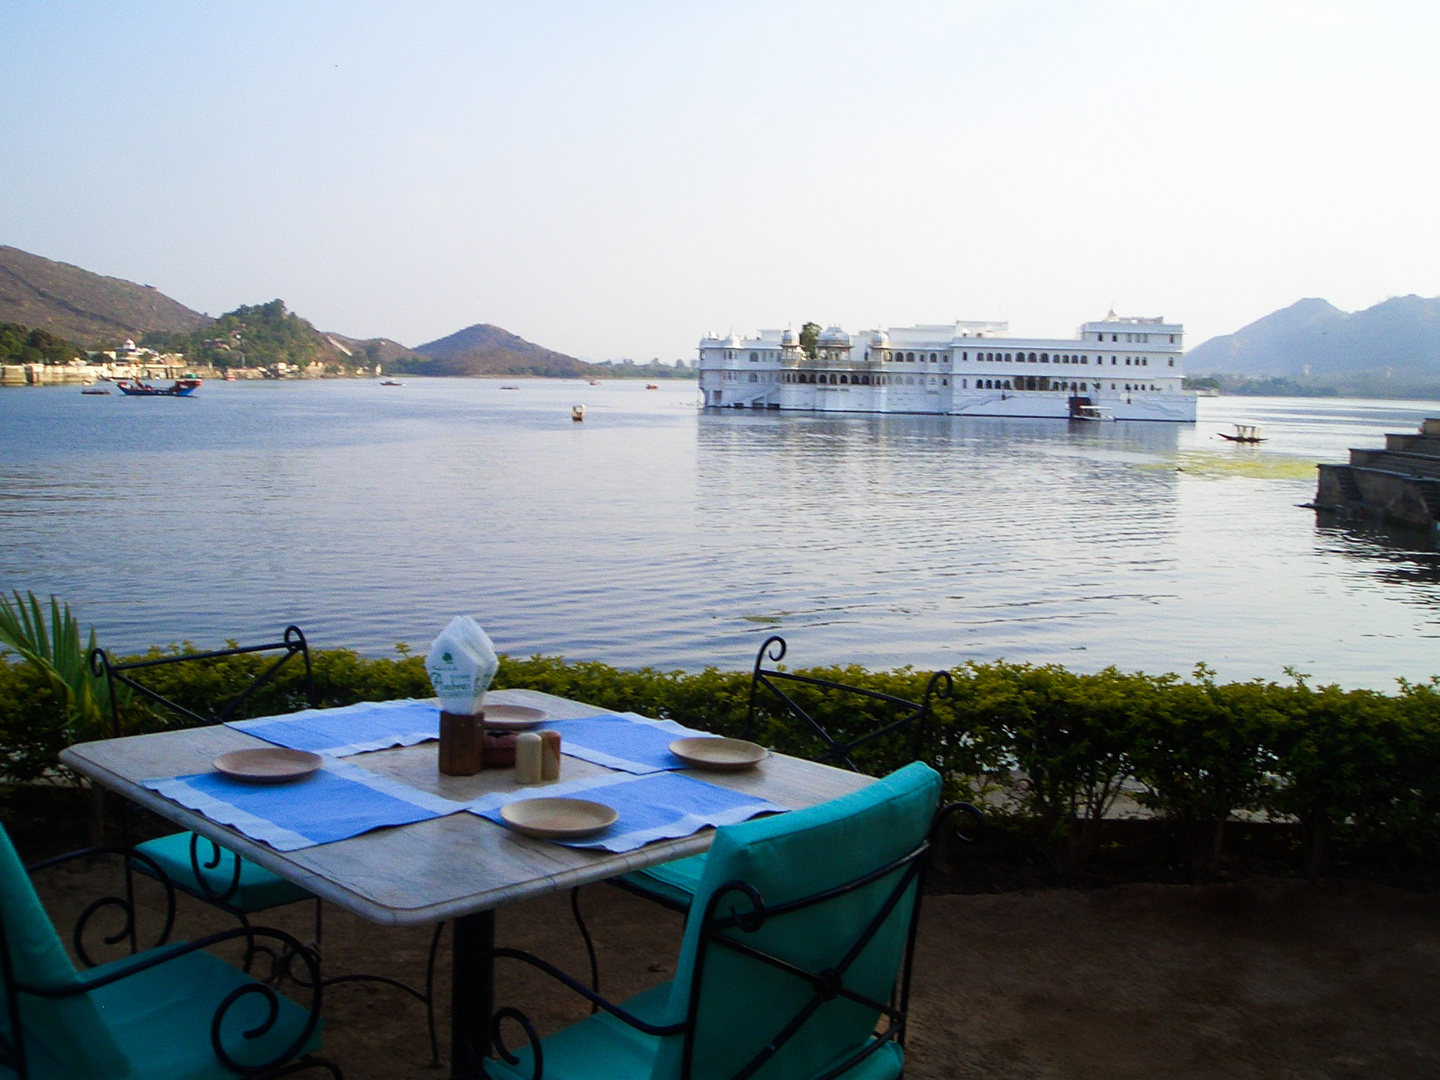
(229,376)
(1094,414)
(1246,433)
(594,382)
(136,388)
(652,386)
(96,390)
(390,382)
(577,413)
(508,387)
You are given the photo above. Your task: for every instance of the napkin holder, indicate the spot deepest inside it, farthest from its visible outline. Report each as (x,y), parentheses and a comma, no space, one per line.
(462,743)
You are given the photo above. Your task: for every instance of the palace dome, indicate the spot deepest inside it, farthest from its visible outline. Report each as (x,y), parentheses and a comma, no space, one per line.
(789,340)
(879,339)
(834,336)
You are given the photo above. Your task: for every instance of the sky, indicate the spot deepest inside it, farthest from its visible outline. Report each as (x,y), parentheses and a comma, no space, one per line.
(613,179)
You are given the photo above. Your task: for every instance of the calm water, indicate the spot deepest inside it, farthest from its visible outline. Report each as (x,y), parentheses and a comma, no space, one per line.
(653,534)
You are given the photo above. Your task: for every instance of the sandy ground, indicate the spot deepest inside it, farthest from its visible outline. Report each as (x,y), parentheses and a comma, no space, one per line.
(1258,979)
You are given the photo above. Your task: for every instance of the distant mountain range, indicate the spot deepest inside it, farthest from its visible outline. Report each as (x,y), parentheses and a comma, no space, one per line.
(100,312)
(1391,349)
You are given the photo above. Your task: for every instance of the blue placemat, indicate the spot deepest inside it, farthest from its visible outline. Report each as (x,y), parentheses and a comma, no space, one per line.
(339,801)
(350,729)
(654,806)
(624,741)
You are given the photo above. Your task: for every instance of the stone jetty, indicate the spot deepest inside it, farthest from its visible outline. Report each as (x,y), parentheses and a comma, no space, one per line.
(1400,483)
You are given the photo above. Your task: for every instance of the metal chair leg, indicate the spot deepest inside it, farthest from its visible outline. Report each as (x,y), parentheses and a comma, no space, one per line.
(589,945)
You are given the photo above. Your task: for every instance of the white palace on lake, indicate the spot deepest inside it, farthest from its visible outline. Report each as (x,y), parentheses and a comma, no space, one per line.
(1120,368)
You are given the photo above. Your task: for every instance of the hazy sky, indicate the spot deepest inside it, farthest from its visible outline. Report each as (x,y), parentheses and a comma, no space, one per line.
(612,179)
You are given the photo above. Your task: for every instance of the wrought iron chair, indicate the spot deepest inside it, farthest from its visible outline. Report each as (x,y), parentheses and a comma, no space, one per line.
(884,717)
(795,961)
(202,868)
(169,1012)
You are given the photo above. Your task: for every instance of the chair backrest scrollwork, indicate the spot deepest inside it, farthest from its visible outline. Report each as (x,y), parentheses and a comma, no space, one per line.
(130,674)
(888,715)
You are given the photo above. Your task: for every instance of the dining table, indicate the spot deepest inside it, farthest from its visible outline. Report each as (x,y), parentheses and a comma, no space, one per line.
(443,858)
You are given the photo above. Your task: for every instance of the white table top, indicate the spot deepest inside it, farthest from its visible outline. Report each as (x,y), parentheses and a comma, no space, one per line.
(432,870)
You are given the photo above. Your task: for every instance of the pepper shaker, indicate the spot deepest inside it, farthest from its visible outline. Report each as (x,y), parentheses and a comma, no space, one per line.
(550,755)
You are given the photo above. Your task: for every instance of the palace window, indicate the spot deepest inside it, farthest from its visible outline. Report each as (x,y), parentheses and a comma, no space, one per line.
(754,357)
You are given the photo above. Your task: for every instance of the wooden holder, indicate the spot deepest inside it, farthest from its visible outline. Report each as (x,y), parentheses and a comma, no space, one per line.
(462,743)
(499,750)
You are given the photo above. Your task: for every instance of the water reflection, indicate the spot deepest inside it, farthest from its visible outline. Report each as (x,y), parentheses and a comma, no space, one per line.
(653,534)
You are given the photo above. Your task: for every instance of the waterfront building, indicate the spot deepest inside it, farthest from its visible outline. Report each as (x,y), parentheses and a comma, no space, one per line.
(1127,368)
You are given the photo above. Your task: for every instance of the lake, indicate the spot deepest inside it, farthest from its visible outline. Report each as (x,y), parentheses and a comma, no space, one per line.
(654,534)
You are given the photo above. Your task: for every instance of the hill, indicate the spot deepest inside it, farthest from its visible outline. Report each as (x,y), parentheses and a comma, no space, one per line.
(1390,348)
(483,349)
(99,312)
(87,308)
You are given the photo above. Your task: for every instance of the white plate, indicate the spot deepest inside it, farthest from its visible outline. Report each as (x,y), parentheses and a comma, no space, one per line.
(722,755)
(558,819)
(512,717)
(267,764)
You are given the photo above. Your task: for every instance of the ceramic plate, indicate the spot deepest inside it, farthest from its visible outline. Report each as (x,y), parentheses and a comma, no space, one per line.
(558,819)
(267,765)
(724,755)
(511,717)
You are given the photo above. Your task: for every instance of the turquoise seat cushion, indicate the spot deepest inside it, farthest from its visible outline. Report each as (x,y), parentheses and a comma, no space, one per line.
(161,1018)
(66,1033)
(744,1002)
(673,883)
(604,1048)
(598,1048)
(259,889)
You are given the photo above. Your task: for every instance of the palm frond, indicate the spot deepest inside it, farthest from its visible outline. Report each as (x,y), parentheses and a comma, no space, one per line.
(54,647)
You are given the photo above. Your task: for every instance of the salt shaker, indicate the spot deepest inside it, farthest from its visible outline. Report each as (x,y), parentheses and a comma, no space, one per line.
(529,749)
(550,755)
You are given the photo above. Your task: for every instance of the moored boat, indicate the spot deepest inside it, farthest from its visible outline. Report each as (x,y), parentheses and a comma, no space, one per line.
(137,388)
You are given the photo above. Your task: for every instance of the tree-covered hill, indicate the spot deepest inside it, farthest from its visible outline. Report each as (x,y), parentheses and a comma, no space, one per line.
(22,345)
(254,335)
(96,311)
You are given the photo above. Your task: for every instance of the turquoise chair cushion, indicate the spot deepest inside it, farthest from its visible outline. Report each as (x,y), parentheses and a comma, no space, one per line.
(161,1018)
(743,1002)
(259,889)
(68,1033)
(671,882)
(598,1048)
(604,1048)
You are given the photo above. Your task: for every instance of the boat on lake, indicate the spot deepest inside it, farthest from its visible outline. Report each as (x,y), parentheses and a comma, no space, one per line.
(1081,409)
(136,388)
(1129,366)
(391,382)
(1244,433)
(96,391)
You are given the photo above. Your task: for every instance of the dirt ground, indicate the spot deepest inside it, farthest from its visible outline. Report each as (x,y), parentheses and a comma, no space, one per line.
(1257,979)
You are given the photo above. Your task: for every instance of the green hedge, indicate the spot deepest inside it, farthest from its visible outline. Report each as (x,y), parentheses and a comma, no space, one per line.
(1048,749)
